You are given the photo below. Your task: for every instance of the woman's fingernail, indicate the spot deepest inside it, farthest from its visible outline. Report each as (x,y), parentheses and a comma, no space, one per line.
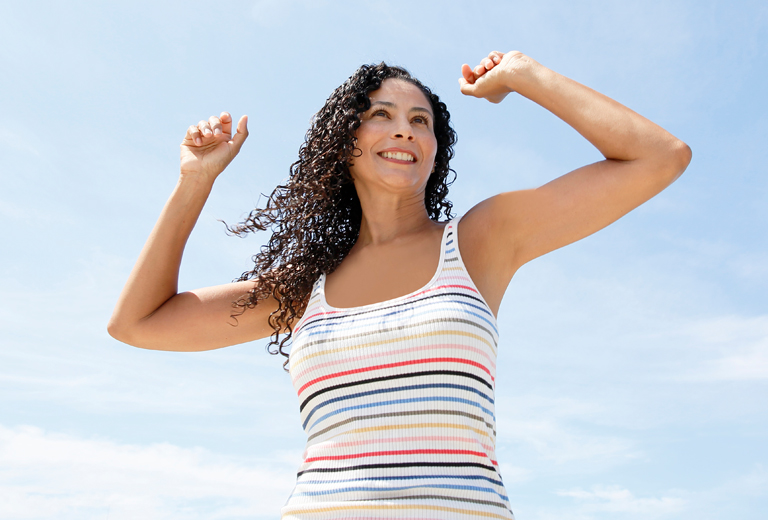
(198,141)
(216,131)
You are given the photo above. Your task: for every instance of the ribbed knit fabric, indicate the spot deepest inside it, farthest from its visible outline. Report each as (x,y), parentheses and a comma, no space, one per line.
(397,400)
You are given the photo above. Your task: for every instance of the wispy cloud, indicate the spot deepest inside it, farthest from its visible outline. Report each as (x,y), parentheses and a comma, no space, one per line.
(547,426)
(51,475)
(17,137)
(734,348)
(615,499)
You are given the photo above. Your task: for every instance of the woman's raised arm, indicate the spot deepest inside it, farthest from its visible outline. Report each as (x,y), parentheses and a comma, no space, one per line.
(149,312)
(641,159)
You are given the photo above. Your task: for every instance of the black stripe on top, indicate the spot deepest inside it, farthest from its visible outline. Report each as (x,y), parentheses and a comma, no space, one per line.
(392,377)
(402,465)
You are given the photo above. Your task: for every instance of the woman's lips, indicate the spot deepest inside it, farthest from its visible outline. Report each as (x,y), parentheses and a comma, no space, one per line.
(398,156)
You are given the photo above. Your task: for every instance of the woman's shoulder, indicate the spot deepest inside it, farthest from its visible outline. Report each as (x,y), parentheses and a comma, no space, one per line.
(482,241)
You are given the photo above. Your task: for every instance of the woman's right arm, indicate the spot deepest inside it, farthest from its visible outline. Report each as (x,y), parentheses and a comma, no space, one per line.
(150,313)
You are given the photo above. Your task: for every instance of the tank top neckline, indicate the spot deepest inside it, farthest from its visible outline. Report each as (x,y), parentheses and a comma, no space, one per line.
(438,271)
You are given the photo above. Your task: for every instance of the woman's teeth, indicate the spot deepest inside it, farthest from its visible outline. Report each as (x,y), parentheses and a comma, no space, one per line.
(400,156)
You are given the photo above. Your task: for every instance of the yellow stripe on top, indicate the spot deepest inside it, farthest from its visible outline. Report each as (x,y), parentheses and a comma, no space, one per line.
(290,515)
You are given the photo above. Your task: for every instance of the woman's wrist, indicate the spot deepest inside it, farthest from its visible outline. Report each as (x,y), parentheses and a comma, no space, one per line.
(193,190)
(196,182)
(525,75)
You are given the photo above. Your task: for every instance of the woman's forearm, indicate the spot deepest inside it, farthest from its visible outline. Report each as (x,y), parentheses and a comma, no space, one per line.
(616,131)
(154,278)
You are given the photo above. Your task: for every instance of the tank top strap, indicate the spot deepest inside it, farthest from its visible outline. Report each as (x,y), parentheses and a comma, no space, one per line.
(446,245)
(451,263)
(453,269)
(449,241)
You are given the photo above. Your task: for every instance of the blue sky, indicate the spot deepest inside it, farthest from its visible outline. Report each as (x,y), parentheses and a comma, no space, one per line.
(632,363)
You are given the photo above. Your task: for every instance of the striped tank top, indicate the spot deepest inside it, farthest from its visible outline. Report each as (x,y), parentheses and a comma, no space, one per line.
(397,401)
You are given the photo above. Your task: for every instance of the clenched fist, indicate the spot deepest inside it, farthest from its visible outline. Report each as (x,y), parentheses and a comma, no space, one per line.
(209,146)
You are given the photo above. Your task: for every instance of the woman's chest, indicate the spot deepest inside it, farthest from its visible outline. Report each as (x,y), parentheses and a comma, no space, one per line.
(373,274)
(440,328)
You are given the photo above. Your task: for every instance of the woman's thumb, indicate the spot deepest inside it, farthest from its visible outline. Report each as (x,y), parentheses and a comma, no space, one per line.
(466,88)
(242,133)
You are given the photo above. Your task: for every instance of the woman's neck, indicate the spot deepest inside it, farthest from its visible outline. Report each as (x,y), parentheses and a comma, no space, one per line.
(387,222)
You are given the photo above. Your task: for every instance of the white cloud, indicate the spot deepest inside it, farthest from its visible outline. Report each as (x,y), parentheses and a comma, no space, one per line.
(561,444)
(752,266)
(736,348)
(615,499)
(17,137)
(751,484)
(546,426)
(750,363)
(49,475)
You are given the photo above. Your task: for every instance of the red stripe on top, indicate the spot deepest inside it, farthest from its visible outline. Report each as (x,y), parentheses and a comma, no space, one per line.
(400,364)
(400,452)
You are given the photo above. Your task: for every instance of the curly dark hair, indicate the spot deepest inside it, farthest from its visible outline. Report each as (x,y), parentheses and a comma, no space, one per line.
(315,216)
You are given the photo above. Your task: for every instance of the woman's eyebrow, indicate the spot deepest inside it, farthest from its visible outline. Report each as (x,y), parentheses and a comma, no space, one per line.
(389,104)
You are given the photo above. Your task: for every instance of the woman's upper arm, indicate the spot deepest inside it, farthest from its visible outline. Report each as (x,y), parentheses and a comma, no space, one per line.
(203,319)
(519,226)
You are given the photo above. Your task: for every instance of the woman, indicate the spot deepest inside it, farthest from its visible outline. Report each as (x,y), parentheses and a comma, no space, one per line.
(393,354)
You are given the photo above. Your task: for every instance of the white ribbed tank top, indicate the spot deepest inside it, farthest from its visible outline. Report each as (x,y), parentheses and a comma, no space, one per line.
(397,400)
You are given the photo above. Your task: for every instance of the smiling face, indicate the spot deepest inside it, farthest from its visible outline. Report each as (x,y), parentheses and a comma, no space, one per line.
(397,139)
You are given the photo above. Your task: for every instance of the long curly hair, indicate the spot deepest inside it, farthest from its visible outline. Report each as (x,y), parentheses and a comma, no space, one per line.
(315,216)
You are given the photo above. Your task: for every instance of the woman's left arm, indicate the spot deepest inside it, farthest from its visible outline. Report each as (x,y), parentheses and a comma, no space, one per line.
(641,159)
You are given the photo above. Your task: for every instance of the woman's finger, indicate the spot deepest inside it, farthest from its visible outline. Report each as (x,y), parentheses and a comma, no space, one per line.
(193,135)
(467,88)
(466,72)
(226,122)
(215,124)
(205,128)
(464,86)
(471,75)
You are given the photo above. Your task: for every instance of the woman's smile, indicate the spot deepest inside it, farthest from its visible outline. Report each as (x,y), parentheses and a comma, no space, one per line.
(398,156)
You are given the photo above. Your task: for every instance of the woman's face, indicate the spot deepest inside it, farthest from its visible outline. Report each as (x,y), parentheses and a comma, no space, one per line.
(397,139)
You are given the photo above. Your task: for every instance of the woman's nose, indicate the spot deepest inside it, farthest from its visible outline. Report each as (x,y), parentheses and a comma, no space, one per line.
(403,131)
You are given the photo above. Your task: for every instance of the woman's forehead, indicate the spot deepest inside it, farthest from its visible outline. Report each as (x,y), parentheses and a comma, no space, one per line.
(394,90)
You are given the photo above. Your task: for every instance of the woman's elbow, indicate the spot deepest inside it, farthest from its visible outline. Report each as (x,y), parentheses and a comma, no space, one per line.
(672,161)
(124,333)
(682,156)
(117,330)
